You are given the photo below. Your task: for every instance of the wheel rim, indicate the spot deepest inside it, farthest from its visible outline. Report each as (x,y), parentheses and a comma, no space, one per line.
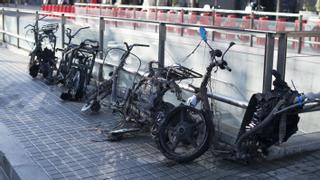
(186,133)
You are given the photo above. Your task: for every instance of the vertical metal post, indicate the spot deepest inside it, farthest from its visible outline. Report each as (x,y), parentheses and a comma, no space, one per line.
(63,29)
(282,54)
(268,62)
(18,27)
(134,17)
(162,41)
(251,27)
(37,25)
(300,29)
(182,20)
(213,22)
(101,41)
(2,17)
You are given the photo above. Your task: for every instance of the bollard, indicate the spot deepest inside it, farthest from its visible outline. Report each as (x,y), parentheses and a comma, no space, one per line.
(217,22)
(106,11)
(205,18)
(114,14)
(280,26)
(297,28)
(192,19)
(316,39)
(262,25)
(151,15)
(171,18)
(142,14)
(231,22)
(130,15)
(121,14)
(245,24)
(180,19)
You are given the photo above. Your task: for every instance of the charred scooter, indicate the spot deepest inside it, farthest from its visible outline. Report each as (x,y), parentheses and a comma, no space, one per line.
(110,86)
(66,57)
(145,107)
(42,57)
(270,118)
(81,64)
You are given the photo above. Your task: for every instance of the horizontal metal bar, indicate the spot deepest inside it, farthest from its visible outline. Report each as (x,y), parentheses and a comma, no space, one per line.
(17,36)
(191,9)
(251,31)
(218,97)
(276,14)
(302,33)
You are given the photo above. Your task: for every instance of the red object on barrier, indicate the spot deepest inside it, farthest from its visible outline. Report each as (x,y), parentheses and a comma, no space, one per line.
(64,8)
(245,24)
(171,18)
(60,8)
(231,22)
(161,15)
(180,19)
(121,13)
(262,25)
(204,18)
(192,20)
(50,7)
(217,22)
(130,15)
(296,28)
(69,9)
(316,39)
(43,7)
(151,15)
(281,24)
(73,9)
(141,14)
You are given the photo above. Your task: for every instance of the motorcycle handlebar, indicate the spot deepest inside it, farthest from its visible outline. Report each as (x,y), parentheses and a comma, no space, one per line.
(87,27)
(29,26)
(130,47)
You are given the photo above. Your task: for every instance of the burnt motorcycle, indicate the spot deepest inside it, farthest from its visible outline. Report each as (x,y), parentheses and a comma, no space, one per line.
(271,118)
(42,57)
(145,107)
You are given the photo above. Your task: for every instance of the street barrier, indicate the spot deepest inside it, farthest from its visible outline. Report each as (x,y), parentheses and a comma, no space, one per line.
(262,25)
(245,24)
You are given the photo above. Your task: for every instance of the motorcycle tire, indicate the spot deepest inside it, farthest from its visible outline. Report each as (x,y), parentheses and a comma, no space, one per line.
(173,123)
(33,66)
(34,70)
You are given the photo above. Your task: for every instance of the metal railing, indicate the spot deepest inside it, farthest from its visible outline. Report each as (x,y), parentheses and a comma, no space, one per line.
(269,44)
(252,15)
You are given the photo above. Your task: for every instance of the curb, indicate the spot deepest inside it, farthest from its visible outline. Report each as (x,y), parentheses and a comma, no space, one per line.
(17,165)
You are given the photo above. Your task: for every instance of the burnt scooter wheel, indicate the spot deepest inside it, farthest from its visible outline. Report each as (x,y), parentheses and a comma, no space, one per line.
(185,134)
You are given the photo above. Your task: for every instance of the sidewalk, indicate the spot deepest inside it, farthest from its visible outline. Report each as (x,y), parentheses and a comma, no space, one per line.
(57,137)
